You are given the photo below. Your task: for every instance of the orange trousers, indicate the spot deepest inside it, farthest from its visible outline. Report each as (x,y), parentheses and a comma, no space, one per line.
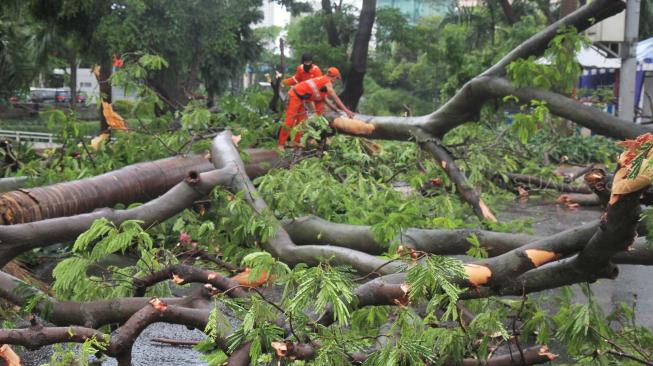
(295,114)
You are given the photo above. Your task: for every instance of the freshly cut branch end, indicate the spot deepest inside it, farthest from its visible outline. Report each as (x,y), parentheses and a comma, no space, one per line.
(243,278)
(158,304)
(353,126)
(10,357)
(403,300)
(477,275)
(487,213)
(294,351)
(544,351)
(539,257)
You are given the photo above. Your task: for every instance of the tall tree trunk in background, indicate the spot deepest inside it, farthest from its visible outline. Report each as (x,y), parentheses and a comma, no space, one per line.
(72,63)
(493,22)
(330,24)
(170,89)
(354,83)
(105,89)
(567,7)
(509,12)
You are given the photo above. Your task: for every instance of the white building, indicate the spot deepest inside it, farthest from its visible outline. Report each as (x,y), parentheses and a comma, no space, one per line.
(87,84)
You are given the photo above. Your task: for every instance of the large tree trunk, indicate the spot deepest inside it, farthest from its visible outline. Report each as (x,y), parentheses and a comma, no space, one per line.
(330,24)
(509,12)
(567,7)
(170,89)
(354,83)
(136,183)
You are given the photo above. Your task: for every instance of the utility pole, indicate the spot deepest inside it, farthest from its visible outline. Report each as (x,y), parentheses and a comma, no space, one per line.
(628,72)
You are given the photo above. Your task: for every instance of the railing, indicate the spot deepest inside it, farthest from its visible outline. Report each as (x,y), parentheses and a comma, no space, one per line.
(24,136)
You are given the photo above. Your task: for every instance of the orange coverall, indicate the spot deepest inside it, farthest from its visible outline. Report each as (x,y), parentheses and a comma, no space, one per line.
(301,75)
(312,90)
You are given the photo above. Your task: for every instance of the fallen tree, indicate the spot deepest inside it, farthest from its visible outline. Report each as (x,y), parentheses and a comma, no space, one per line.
(414,283)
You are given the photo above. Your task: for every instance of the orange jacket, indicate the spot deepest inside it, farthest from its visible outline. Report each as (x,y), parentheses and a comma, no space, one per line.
(314,90)
(301,75)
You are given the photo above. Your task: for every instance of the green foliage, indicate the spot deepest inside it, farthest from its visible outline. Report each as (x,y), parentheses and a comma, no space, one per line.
(433,279)
(476,250)
(18,48)
(262,264)
(525,125)
(257,327)
(72,279)
(319,287)
(560,70)
(66,354)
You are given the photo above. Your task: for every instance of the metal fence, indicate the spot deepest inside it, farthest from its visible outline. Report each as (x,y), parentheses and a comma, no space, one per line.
(24,136)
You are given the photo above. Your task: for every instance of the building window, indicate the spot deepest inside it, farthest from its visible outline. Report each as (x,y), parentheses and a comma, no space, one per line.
(85,85)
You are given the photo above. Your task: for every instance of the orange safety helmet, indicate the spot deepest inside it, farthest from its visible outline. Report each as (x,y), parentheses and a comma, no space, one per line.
(333,72)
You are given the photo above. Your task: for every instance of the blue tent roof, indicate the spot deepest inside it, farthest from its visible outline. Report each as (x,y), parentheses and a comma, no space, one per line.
(645,51)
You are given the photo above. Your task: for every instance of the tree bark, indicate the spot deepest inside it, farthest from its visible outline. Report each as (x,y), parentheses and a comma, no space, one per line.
(509,12)
(469,194)
(135,183)
(567,7)
(183,274)
(105,90)
(17,239)
(330,25)
(354,82)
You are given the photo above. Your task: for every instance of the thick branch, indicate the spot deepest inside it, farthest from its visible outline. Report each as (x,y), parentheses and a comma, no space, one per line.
(314,230)
(93,314)
(225,156)
(466,192)
(17,239)
(560,105)
(183,274)
(615,234)
(531,356)
(135,183)
(494,272)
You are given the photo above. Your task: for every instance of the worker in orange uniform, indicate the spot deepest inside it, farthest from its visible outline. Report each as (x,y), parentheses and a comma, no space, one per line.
(315,91)
(307,70)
